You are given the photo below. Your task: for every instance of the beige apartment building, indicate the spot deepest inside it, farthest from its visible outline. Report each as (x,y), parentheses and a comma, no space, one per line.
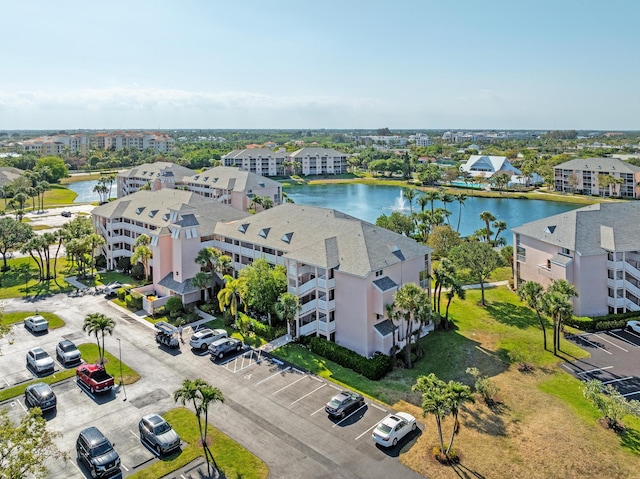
(343,270)
(585,176)
(266,162)
(596,248)
(158,175)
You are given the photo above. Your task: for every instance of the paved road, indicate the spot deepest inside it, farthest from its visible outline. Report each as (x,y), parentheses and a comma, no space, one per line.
(274,411)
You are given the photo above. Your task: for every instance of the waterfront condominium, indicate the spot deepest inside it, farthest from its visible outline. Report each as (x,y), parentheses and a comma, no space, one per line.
(596,248)
(598,176)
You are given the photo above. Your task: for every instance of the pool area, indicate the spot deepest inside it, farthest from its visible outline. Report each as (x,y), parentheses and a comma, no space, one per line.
(474,186)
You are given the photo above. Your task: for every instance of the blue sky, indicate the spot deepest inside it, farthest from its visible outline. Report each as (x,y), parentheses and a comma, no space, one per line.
(563,64)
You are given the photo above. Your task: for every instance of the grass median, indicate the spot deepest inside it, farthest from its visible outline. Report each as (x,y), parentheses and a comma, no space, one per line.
(90,355)
(55,321)
(233,459)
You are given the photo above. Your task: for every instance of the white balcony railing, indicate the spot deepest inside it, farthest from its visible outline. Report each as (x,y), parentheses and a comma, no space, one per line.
(306,287)
(327,327)
(307,307)
(615,283)
(312,327)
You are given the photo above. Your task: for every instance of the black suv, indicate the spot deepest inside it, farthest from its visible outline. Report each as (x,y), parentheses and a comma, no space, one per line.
(97,453)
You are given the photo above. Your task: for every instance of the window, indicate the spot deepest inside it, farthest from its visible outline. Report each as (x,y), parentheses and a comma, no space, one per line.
(379,273)
(565,251)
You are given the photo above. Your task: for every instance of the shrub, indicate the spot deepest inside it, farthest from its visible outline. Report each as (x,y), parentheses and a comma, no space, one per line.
(601,323)
(173,305)
(137,271)
(208,308)
(124,264)
(484,386)
(134,301)
(372,368)
(265,331)
(101,261)
(121,293)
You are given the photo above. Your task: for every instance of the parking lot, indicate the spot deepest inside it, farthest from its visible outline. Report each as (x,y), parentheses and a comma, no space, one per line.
(306,395)
(615,356)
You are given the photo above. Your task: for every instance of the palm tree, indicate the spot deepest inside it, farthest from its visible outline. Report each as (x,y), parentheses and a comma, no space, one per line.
(432,197)
(98,324)
(287,308)
(201,395)
(532,293)
(455,289)
(409,194)
(93,242)
(435,400)
(422,201)
(393,316)
(232,294)
(500,227)
(210,259)
(142,253)
(201,281)
(267,202)
(557,304)
(487,217)
(458,395)
(447,198)
(409,299)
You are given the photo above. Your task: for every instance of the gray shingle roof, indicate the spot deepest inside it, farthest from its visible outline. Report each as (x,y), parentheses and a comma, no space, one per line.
(180,288)
(230,178)
(328,152)
(385,328)
(207,211)
(599,164)
(152,171)
(385,284)
(256,153)
(8,174)
(326,238)
(590,230)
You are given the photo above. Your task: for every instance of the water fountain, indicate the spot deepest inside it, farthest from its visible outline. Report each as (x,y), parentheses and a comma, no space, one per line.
(401,203)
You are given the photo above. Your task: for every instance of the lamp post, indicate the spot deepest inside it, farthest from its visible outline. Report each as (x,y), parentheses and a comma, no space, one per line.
(121,381)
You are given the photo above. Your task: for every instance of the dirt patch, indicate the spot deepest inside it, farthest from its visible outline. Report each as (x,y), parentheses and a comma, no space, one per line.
(533,435)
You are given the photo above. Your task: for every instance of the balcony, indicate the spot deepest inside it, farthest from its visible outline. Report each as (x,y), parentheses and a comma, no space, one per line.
(326,283)
(544,271)
(522,258)
(615,283)
(306,287)
(309,328)
(616,302)
(326,305)
(326,327)
(615,264)
(307,307)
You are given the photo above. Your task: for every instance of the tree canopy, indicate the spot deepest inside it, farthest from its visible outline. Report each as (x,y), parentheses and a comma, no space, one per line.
(53,167)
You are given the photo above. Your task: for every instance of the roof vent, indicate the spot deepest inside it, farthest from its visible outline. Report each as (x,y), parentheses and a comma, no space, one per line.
(243,228)
(165,217)
(287,238)
(140,210)
(152,213)
(550,229)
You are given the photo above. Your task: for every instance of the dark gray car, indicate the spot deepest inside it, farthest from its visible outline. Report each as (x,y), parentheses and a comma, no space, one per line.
(157,432)
(344,403)
(40,395)
(219,348)
(67,352)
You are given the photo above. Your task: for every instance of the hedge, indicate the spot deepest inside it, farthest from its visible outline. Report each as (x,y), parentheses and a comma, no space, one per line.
(265,331)
(372,368)
(602,323)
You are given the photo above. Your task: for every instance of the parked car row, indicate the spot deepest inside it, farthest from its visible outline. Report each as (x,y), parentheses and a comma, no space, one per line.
(40,361)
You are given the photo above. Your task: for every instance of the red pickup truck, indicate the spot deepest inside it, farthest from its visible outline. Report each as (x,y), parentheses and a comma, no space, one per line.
(94,377)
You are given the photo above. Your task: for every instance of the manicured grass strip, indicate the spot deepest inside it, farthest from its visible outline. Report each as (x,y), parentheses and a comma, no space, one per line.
(59,195)
(234,460)
(90,355)
(12,318)
(112,364)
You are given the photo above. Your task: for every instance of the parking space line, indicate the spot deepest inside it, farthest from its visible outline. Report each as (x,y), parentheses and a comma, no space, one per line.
(612,343)
(335,387)
(316,412)
(77,467)
(125,467)
(377,407)
(582,336)
(22,405)
(365,432)
(631,394)
(273,375)
(624,339)
(632,333)
(347,417)
(308,394)
(568,368)
(133,434)
(315,378)
(616,380)
(594,370)
(290,384)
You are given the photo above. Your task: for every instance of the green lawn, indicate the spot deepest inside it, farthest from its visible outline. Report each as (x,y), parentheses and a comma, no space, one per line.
(90,355)
(12,284)
(112,277)
(59,195)
(54,320)
(233,459)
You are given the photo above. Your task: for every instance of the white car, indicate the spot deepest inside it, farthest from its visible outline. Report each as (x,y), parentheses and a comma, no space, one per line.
(203,338)
(393,428)
(634,325)
(39,360)
(36,324)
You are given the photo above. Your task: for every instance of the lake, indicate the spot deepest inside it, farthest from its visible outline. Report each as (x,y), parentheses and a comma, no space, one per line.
(85,191)
(367,202)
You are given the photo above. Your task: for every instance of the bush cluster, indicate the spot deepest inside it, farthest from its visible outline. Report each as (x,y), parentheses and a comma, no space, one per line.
(265,331)
(372,368)
(602,323)
(133,301)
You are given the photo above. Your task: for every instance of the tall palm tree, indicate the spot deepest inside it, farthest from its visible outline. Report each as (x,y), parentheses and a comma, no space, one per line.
(98,324)
(409,299)
(447,198)
(232,295)
(500,226)
(287,308)
(393,316)
(142,253)
(267,202)
(93,242)
(422,201)
(432,197)
(208,258)
(487,217)
(201,281)
(532,293)
(435,400)
(201,395)
(458,395)
(558,304)
(409,194)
